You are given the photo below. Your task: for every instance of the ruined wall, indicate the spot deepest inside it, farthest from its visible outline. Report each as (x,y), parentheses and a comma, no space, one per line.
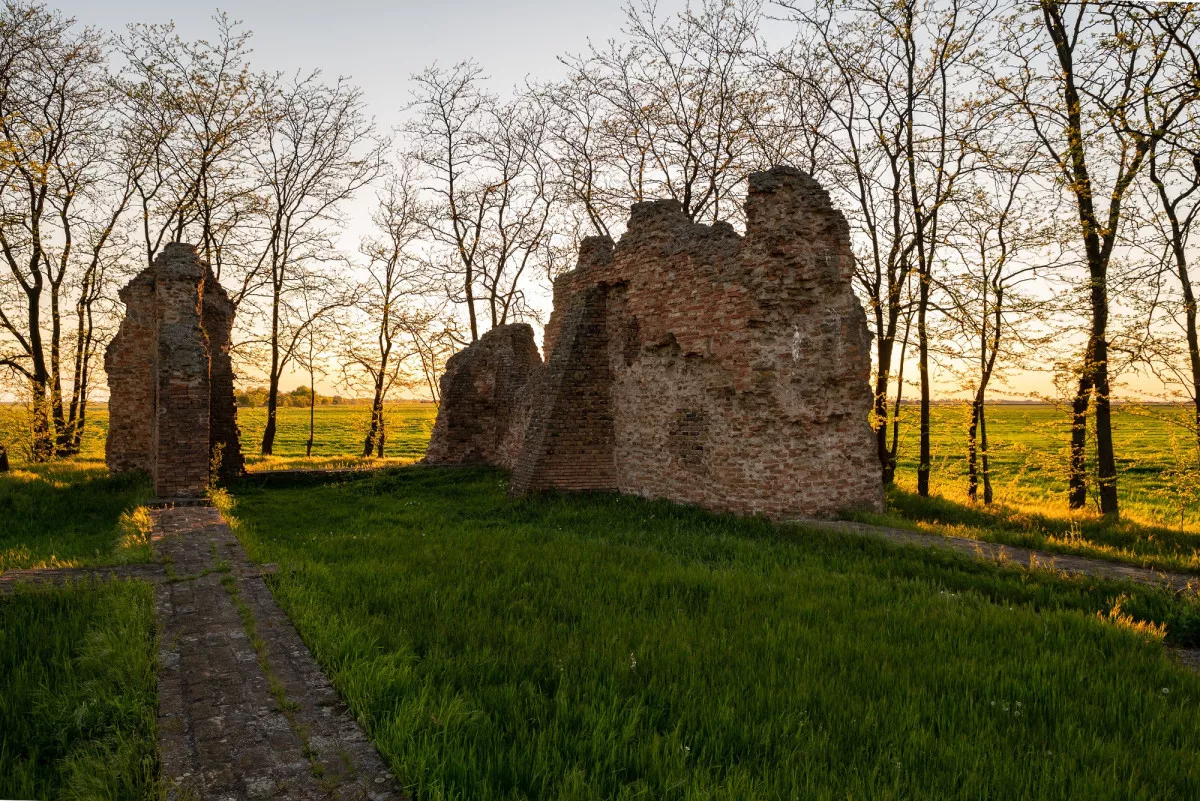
(224,441)
(486,399)
(129,363)
(728,371)
(170,380)
(571,425)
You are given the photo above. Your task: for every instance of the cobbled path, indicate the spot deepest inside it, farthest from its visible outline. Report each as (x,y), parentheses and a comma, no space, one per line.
(244,710)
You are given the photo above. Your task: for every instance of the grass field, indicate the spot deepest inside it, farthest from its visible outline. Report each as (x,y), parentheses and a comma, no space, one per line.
(1160,488)
(1156,460)
(1159,484)
(603,647)
(77,693)
(340,431)
(72,513)
(595,647)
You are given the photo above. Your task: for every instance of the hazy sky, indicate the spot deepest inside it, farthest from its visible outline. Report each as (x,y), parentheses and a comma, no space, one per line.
(380,43)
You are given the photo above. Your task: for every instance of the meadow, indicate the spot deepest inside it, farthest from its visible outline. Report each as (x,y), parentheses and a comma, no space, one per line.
(597,646)
(1159,480)
(605,647)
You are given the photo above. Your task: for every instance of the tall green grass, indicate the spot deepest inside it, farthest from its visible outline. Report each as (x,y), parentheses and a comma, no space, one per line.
(604,647)
(77,693)
(70,514)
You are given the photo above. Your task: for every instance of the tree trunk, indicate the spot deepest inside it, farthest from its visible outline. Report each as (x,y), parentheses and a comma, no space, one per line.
(984,458)
(312,418)
(268,440)
(1189,316)
(56,386)
(1105,456)
(923,466)
(972,467)
(1094,380)
(3,459)
(887,456)
(42,446)
(375,429)
(1077,491)
(894,449)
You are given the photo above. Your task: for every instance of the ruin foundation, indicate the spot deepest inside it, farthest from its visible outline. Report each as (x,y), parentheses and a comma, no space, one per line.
(693,364)
(170,378)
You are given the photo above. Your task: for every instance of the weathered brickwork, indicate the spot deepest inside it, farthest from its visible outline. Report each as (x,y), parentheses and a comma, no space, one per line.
(735,368)
(570,439)
(486,399)
(170,378)
(223,435)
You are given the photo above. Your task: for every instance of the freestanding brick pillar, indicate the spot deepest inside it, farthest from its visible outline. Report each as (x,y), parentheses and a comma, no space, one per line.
(171,409)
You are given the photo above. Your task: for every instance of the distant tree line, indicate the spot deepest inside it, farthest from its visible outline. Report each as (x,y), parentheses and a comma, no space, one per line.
(301,396)
(1022,182)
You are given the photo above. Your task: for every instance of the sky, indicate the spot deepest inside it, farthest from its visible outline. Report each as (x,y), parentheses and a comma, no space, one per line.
(380,44)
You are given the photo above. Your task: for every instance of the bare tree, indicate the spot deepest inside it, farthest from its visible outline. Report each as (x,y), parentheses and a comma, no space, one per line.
(193,111)
(61,199)
(318,341)
(447,142)
(1100,85)
(493,189)
(318,148)
(674,111)
(883,89)
(393,270)
(1174,174)
(1002,241)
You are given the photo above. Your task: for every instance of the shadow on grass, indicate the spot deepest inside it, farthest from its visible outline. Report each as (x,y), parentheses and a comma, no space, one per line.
(67,514)
(1083,534)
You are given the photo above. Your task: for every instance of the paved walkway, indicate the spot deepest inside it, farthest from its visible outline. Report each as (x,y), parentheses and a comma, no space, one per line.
(244,710)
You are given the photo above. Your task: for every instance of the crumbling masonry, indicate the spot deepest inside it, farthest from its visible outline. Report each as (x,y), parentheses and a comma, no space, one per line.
(693,364)
(170,379)
(490,386)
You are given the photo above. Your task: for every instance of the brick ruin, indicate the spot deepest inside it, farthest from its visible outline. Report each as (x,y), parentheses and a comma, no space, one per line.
(690,363)
(170,378)
(487,399)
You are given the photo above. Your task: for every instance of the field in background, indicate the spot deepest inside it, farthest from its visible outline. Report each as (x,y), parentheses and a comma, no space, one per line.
(1159,486)
(606,647)
(1156,458)
(340,432)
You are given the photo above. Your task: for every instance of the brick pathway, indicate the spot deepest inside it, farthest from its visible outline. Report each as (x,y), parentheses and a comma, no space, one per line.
(244,710)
